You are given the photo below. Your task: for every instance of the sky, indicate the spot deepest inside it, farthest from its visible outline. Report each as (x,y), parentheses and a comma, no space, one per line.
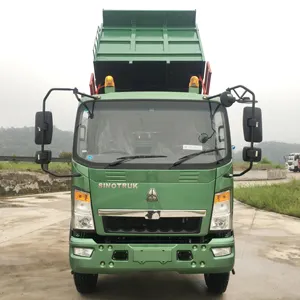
(46,44)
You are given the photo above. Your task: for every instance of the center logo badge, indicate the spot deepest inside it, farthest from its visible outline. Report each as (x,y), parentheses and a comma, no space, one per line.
(152,196)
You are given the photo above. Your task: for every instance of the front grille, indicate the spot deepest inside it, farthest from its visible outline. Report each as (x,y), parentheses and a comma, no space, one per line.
(142,225)
(150,239)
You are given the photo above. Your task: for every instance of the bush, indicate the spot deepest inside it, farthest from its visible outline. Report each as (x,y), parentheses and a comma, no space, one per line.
(278,166)
(265,161)
(65,155)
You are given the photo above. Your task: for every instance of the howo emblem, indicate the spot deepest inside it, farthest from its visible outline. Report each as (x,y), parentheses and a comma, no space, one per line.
(152,195)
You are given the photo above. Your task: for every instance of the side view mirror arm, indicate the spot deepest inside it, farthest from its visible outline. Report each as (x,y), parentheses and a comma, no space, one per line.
(44,166)
(252,122)
(240,174)
(46,170)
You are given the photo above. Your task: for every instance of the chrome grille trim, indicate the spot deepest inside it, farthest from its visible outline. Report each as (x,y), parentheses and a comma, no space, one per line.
(143,212)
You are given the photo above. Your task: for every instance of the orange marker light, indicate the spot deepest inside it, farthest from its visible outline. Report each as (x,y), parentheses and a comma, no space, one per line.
(221,197)
(109,81)
(194,82)
(82,196)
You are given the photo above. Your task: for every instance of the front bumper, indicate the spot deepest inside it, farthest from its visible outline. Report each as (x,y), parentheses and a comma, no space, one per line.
(148,257)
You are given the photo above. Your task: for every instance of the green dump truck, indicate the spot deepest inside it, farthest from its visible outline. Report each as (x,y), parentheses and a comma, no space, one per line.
(152,172)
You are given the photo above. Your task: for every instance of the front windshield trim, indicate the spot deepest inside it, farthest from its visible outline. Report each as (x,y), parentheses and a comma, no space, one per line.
(154,163)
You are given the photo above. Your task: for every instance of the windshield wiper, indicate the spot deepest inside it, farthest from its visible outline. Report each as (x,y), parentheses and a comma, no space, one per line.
(187,157)
(122,159)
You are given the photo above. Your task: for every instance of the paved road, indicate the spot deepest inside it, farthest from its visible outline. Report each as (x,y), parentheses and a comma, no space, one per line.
(34,258)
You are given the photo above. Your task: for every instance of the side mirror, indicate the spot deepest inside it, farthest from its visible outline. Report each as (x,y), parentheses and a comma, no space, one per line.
(227,99)
(45,126)
(248,122)
(251,154)
(43,157)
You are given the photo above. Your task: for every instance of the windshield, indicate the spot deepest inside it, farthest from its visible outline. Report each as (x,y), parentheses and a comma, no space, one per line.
(159,128)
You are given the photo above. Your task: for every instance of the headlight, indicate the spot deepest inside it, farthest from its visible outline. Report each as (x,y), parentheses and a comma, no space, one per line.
(221,216)
(82,216)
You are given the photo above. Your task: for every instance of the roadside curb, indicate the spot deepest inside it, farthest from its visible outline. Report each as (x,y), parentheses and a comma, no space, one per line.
(264,175)
(259,179)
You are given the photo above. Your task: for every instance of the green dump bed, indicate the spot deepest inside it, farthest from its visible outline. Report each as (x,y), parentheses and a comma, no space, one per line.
(148,50)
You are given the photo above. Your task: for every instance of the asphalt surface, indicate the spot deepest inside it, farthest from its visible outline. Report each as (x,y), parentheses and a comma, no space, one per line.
(34,258)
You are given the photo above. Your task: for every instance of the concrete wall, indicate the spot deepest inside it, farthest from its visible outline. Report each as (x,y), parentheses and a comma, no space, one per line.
(24,183)
(259,175)
(276,174)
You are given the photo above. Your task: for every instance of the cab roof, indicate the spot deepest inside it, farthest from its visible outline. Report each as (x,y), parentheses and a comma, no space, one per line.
(151,96)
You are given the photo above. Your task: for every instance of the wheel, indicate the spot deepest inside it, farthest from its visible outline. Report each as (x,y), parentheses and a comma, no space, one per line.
(217,283)
(85,283)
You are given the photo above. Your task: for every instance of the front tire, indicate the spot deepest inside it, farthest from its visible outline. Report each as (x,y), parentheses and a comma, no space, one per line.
(217,283)
(85,283)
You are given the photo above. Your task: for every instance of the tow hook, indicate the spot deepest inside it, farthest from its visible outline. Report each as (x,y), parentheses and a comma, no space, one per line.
(233,272)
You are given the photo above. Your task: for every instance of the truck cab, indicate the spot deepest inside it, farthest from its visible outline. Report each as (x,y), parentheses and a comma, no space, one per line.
(293,162)
(152,175)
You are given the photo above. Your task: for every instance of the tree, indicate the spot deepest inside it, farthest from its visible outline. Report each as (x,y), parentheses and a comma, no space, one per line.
(64,154)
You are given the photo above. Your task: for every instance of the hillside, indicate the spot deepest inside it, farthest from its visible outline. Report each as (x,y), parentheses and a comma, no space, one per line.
(20,141)
(274,151)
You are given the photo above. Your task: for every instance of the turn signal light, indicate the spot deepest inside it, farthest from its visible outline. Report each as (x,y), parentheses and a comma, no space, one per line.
(221,197)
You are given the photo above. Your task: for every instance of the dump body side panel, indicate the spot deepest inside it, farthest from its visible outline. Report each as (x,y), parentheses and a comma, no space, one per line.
(157,50)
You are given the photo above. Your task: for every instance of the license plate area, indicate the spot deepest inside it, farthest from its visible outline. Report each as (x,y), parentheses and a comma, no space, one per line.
(152,254)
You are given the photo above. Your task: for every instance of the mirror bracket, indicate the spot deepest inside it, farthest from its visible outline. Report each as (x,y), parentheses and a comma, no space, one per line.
(44,126)
(252,122)
(227,100)
(45,169)
(43,157)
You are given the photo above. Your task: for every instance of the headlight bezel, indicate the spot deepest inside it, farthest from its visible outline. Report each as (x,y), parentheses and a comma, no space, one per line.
(222,201)
(76,213)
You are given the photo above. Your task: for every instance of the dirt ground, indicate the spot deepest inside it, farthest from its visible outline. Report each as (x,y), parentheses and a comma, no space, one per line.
(34,258)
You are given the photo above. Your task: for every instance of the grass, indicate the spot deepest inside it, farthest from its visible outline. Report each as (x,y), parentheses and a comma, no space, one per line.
(259,166)
(283,198)
(27,166)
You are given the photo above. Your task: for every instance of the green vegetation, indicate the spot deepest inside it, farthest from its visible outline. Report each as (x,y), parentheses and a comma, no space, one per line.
(65,155)
(265,161)
(282,198)
(26,166)
(263,165)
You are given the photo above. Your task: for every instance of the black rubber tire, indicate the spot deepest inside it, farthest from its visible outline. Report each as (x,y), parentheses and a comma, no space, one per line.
(217,283)
(85,283)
